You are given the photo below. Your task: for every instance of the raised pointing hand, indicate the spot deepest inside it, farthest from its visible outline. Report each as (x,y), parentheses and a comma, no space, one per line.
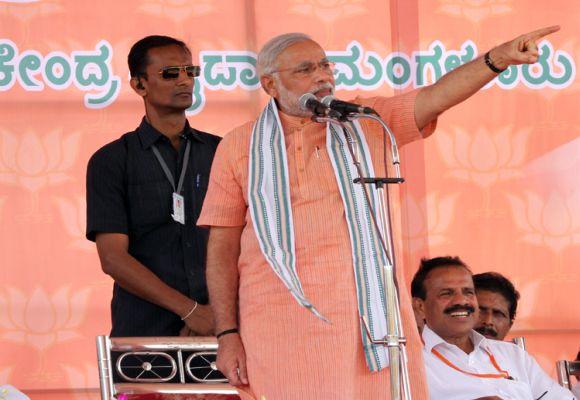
(521,50)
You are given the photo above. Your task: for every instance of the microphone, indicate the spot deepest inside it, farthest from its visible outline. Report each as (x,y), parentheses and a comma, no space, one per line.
(309,102)
(344,107)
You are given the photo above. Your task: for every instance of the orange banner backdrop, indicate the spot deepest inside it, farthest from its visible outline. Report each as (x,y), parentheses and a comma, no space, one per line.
(497,184)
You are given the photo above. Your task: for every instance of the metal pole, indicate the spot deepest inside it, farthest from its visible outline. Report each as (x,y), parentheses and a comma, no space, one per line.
(520,341)
(105,367)
(563,376)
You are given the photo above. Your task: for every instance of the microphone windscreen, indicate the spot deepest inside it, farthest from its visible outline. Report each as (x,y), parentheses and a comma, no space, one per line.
(304,99)
(327,100)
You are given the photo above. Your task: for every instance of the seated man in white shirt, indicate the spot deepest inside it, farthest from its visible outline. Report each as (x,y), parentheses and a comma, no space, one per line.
(460,363)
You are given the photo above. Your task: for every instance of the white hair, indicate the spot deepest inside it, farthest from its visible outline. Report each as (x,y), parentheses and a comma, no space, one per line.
(266,62)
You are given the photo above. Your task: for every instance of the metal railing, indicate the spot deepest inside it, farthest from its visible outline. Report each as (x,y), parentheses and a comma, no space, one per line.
(177,365)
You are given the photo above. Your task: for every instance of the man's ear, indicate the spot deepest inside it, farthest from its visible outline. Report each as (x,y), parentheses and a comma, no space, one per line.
(269,85)
(137,86)
(419,308)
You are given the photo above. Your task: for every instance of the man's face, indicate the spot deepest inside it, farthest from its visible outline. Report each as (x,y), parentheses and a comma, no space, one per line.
(162,94)
(494,318)
(450,305)
(296,78)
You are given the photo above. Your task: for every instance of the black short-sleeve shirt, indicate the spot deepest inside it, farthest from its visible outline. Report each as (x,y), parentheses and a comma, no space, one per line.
(128,192)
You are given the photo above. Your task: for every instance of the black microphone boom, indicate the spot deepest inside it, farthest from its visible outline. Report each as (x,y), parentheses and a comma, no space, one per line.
(309,102)
(345,108)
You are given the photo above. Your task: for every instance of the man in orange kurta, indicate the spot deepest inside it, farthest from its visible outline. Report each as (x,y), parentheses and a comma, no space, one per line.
(270,346)
(290,353)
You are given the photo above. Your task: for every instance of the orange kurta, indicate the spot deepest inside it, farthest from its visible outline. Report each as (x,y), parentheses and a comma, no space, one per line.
(290,353)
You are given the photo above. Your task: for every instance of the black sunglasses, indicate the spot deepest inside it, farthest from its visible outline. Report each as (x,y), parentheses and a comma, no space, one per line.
(172,72)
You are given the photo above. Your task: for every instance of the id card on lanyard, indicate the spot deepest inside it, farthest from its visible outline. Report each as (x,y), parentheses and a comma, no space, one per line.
(178,214)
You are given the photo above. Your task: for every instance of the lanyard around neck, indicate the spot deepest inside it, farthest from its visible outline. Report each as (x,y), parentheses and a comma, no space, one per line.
(502,373)
(168,173)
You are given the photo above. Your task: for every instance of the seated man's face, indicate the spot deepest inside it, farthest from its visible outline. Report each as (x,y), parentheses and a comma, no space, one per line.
(450,306)
(494,317)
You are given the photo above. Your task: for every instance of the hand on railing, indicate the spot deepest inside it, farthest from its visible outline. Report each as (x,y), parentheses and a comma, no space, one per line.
(231,359)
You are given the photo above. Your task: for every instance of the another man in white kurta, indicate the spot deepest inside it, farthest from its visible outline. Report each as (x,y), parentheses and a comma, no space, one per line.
(461,364)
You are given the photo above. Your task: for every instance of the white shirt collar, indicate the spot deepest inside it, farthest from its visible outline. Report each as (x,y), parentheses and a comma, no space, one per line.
(431,339)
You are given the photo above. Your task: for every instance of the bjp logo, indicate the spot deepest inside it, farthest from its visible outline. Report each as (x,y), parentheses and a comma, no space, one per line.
(177,10)
(483,157)
(329,11)
(552,221)
(41,319)
(428,220)
(25,10)
(73,212)
(475,10)
(34,161)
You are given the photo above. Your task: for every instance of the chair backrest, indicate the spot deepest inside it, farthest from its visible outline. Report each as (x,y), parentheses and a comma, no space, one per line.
(520,341)
(566,369)
(141,365)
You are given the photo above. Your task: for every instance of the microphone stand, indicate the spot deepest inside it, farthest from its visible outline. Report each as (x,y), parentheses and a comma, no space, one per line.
(394,340)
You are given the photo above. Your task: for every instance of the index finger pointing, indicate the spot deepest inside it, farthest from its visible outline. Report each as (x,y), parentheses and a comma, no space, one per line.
(543,32)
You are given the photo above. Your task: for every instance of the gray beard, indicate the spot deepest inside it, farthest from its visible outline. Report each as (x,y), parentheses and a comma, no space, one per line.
(288,103)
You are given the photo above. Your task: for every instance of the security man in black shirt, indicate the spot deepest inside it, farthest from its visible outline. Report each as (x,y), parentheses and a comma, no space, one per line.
(144,195)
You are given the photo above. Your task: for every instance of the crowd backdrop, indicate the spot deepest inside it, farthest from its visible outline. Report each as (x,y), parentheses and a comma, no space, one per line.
(497,184)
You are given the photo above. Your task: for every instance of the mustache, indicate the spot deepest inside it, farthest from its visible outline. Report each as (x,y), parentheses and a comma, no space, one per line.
(459,307)
(327,86)
(487,331)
